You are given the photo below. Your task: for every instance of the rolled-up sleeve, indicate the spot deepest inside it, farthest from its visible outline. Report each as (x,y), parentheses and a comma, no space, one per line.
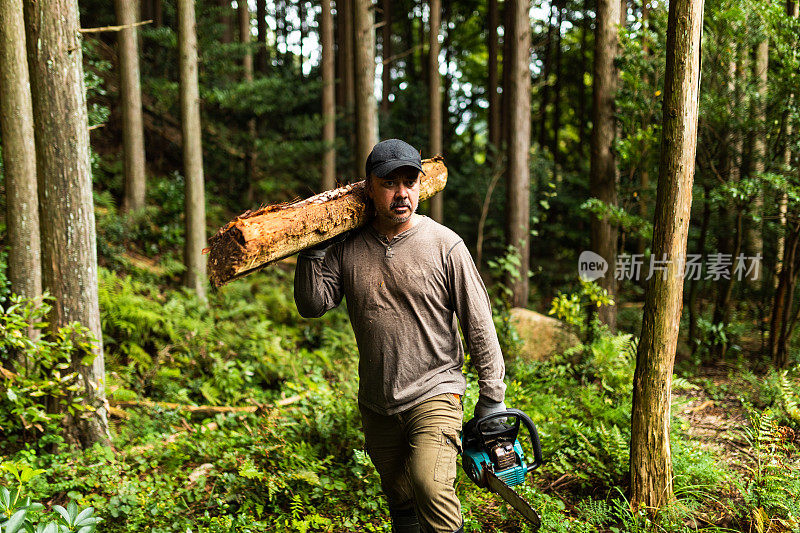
(474,313)
(317,282)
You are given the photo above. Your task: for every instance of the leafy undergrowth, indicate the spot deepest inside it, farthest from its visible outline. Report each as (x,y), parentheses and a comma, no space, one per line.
(297,462)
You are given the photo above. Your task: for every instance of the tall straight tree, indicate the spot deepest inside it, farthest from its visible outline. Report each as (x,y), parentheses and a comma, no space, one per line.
(386,51)
(194,194)
(603,173)
(435,99)
(262,56)
(69,251)
(651,463)
(131,96)
(19,155)
(247,69)
(519,141)
(366,108)
(328,98)
(493,97)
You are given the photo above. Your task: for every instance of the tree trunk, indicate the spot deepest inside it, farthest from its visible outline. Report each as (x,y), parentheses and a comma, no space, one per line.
(226,20)
(782,303)
(19,156)
(262,56)
(557,92)
(435,99)
(255,239)
(546,67)
(366,108)
(195,277)
(301,12)
(348,53)
(245,38)
(386,50)
(695,287)
(504,106)
(328,98)
(519,141)
(585,27)
(69,251)
(131,97)
(651,463)
(644,172)
(492,96)
(603,175)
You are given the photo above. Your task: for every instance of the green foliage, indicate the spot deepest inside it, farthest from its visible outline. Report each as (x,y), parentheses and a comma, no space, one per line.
(21,514)
(41,372)
(573,308)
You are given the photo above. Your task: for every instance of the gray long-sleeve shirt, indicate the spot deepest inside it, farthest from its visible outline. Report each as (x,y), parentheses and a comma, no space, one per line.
(403,298)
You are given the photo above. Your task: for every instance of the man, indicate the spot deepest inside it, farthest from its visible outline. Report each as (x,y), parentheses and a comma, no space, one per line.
(407,279)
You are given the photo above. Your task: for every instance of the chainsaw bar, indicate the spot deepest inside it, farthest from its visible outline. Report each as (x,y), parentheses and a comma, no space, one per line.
(513,499)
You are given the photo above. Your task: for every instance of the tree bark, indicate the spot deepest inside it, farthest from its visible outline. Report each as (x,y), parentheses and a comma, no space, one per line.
(585,27)
(493,98)
(519,141)
(603,175)
(131,97)
(366,108)
(328,98)
(435,98)
(262,55)
(19,156)
(547,65)
(256,239)
(386,51)
(247,73)
(195,277)
(69,252)
(226,20)
(651,463)
(348,53)
(557,91)
(759,145)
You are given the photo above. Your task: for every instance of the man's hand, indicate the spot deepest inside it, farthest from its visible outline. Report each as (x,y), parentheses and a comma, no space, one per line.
(486,407)
(318,250)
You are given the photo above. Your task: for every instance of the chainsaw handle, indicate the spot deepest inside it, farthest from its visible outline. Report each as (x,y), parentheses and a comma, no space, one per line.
(534,436)
(518,417)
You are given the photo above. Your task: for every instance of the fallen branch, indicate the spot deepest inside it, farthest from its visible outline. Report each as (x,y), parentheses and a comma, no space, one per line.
(114,28)
(117,407)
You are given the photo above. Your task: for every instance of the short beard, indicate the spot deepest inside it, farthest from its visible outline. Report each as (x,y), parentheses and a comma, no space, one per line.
(403,218)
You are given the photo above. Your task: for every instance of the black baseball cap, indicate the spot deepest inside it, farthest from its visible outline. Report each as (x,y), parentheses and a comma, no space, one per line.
(391,154)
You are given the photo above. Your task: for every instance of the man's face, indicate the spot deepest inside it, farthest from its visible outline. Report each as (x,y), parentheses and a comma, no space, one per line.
(396,195)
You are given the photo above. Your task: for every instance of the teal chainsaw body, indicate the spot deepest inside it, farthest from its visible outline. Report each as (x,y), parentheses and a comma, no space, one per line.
(493,456)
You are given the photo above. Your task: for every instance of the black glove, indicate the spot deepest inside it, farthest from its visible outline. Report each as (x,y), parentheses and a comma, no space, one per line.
(487,406)
(318,250)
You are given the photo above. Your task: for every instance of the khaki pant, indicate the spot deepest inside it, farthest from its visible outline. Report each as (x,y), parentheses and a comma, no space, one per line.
(415,454)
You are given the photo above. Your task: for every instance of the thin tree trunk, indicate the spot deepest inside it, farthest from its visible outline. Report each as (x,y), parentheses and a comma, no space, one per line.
(226,20)
(386,73)
(131,96)
(192,151)
(603,175)
(328,98)
(644,172)
(19,156)
(493,97)
(651,463)
(69,251)
(435,99)
(547,66)
(301,13)
(585,28)
(782,302)
(366,108)
(262,56)
(348,53)
(695,286)
(504,105)
(519,141)
(247,69)
(557,91)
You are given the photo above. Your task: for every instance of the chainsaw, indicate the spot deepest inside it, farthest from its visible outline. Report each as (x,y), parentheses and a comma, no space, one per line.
(493,457)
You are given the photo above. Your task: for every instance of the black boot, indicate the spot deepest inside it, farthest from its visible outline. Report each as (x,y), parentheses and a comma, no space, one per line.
(404,521)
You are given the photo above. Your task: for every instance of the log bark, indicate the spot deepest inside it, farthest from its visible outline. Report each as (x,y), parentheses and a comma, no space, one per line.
(650,459)
(255,239)
(19,156)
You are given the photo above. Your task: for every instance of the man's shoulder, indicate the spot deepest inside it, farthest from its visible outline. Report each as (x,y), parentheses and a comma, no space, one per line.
(439,233)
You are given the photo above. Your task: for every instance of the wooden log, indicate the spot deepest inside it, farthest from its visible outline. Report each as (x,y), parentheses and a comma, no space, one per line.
(257,238)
